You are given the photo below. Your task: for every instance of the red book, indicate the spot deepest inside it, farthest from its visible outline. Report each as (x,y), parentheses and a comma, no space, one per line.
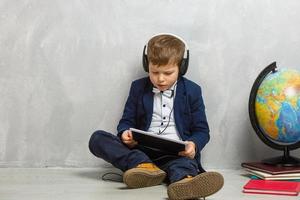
(271,169)
(272,187)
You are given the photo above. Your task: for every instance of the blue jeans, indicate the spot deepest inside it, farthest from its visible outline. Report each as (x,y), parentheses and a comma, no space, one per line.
(111,149)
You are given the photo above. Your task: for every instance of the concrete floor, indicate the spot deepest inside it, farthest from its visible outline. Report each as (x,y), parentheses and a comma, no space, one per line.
(86,184)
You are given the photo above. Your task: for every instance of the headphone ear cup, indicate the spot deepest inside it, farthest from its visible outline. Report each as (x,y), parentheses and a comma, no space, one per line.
(145,60)
(184,64)
(183,67)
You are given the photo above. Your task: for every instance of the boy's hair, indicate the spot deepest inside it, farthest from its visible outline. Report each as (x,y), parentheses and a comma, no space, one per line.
(165,49)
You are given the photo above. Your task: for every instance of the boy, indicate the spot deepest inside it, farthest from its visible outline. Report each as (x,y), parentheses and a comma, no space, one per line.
(170,105)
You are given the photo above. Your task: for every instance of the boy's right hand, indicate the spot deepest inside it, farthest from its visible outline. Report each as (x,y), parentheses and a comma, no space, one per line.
(128,139)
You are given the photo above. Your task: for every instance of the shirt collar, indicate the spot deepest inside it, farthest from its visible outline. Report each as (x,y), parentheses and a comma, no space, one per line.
(168,93)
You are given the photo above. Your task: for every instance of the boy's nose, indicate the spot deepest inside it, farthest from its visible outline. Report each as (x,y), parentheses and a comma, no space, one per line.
(161,78)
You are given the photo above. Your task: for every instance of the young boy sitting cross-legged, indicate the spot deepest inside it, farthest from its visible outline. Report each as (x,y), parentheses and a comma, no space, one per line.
(168,104)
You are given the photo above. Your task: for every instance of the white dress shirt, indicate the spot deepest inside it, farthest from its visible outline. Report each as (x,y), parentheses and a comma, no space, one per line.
(163,122)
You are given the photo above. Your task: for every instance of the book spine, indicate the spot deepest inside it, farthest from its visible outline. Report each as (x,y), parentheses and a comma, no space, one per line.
(271,193)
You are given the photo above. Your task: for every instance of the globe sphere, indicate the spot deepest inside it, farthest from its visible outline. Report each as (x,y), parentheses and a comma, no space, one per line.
(277,106)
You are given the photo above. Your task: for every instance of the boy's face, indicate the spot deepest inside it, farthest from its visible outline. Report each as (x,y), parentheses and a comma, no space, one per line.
(163,76)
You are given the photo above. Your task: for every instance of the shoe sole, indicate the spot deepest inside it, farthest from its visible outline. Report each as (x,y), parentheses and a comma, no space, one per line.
(202,185)
(139,178)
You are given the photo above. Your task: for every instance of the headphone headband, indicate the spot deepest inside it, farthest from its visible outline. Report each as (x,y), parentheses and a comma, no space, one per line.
(186,47)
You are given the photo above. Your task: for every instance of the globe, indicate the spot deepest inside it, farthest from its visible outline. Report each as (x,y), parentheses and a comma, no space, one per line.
(274,109)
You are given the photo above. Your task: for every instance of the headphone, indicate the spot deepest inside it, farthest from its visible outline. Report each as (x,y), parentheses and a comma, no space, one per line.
(184,62)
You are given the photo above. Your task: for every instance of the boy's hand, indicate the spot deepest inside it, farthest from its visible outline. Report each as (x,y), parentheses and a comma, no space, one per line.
(128,139)
(190,150)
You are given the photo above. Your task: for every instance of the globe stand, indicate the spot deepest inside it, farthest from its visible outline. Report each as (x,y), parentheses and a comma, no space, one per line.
(286,160)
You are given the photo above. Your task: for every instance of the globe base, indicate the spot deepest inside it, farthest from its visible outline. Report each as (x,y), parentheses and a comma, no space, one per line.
(284,161)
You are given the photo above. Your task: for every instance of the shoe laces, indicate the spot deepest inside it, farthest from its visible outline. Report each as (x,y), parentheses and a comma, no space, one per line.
(148,166)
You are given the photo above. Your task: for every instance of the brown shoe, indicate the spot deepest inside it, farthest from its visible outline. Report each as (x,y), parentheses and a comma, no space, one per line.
(144,175)
(202,185)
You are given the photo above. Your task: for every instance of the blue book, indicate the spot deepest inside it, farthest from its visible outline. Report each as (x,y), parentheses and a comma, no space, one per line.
(253,177)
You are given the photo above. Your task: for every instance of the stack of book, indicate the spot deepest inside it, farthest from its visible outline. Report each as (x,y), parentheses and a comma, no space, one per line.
(272,179)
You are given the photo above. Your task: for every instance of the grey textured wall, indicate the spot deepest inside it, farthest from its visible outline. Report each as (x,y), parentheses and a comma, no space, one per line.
(66,68)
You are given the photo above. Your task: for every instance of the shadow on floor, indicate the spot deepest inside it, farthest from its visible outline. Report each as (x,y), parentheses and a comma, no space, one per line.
(108,174)
(93,174)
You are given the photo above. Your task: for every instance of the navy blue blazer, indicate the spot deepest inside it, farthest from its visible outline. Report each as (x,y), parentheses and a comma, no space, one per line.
(189,111)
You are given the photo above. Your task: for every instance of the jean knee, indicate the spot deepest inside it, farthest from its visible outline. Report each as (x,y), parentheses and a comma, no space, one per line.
(95,139)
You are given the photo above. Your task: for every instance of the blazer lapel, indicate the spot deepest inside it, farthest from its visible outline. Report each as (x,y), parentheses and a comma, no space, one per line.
(179,103)
(148,104)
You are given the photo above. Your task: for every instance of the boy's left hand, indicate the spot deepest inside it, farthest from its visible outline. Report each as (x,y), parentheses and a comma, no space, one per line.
(190,150)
